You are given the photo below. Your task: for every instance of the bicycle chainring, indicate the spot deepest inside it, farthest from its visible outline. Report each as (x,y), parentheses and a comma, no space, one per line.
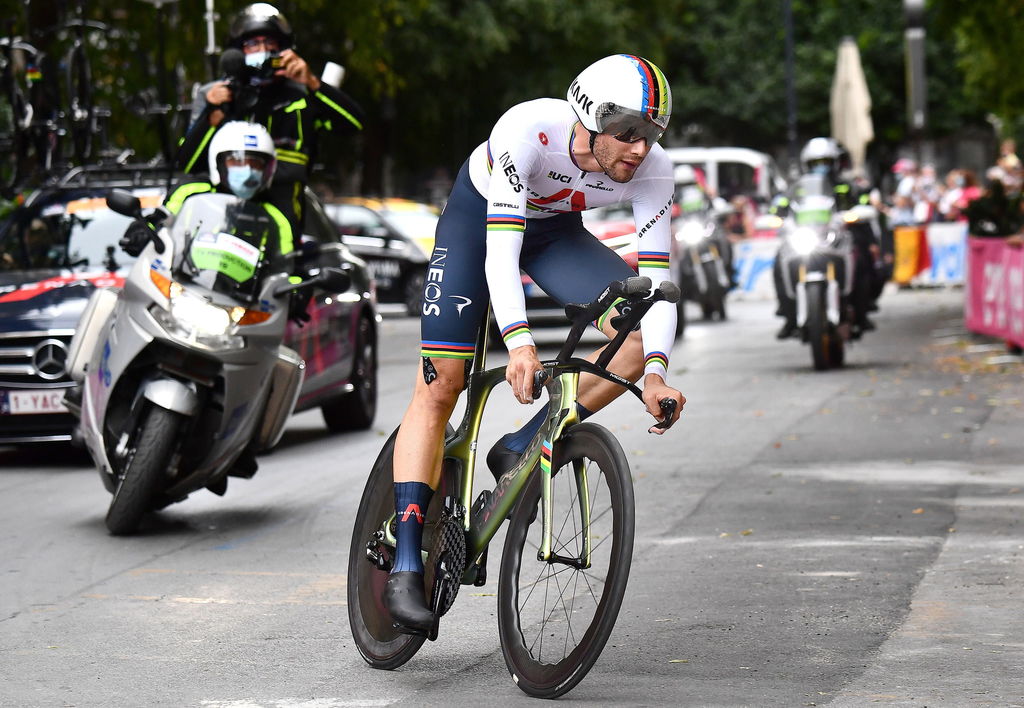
(449,557)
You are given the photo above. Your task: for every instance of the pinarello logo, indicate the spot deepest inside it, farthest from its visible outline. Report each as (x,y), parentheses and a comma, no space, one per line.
(543,138)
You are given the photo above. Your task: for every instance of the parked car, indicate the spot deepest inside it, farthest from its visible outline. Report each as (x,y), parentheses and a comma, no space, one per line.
(60,245)
(394,240)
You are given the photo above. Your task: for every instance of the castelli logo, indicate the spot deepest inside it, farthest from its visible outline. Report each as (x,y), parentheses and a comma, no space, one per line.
(543,138)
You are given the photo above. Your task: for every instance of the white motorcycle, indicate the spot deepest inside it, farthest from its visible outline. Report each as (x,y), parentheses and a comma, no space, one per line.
(182,373)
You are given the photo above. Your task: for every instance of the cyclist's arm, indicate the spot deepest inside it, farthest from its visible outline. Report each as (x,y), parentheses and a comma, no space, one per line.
(512,160)
(652,212)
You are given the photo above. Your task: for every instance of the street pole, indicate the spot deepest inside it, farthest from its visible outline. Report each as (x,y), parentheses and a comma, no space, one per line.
(791,132)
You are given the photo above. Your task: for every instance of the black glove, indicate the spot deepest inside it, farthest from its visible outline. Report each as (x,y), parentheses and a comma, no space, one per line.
(297,305)
(135,238)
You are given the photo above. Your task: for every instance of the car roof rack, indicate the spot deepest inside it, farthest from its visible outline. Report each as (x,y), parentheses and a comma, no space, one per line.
(118,175)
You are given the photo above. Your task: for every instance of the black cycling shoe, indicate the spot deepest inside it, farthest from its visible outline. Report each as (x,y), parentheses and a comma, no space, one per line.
(787,331)
(866,325)
(500,459)
(405,600)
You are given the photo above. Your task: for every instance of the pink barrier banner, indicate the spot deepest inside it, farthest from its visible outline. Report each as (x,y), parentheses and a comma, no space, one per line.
(994,296)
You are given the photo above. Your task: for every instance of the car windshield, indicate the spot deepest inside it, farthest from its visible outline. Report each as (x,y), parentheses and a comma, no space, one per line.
(61,234)
(231,245)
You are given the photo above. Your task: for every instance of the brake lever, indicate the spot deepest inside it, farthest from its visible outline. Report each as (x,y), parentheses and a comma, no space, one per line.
(539,377)
(668,409)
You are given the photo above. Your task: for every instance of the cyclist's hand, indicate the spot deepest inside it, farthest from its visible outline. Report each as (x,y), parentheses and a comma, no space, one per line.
(219,94)
(522,363)
(295,68)
(655,390)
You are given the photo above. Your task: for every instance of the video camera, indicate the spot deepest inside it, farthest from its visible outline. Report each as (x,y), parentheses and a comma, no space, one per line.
(246,81)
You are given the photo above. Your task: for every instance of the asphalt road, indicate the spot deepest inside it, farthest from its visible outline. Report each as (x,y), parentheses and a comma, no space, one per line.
(847,538)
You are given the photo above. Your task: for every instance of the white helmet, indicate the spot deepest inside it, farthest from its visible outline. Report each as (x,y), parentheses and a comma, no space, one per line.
(622,95)
(250,149)
(685,174)
(820,151)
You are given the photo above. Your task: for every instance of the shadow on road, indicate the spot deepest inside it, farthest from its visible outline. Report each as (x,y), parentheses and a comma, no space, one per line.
(54,454)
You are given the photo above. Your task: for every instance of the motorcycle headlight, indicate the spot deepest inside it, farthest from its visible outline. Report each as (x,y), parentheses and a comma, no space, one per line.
(691,233)
(803,239)
(194,320)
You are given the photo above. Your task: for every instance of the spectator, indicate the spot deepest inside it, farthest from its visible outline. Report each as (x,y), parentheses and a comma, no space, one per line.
(901,213)
(963,189)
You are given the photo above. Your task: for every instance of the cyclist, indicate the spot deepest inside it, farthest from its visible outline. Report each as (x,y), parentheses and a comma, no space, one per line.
(516,203)
(290,100)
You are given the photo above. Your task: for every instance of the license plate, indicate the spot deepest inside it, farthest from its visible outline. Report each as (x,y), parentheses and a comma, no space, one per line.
(32,402)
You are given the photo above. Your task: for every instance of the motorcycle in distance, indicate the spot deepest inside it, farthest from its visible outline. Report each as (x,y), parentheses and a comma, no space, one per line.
(704,275)
(818,262)
(182,372)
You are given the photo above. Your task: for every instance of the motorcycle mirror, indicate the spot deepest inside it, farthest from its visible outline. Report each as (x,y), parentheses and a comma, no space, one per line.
(124,202)
(334,280)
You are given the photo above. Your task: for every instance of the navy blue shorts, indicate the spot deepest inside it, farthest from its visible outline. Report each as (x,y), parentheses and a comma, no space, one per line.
(562,257)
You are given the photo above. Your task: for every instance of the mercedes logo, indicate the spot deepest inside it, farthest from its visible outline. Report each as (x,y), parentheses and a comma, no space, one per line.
(50,359)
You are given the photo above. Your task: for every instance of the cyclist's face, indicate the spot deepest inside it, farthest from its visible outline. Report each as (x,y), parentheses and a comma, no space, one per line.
(619,160)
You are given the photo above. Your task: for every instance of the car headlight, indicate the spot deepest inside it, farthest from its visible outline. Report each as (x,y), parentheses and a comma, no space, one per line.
(691,232)
(803,239)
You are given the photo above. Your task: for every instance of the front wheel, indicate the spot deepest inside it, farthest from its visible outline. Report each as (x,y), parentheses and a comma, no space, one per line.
(555,617)
(147,460)
(826,344)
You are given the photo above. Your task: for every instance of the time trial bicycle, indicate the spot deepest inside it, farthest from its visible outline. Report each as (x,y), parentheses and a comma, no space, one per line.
(569,499)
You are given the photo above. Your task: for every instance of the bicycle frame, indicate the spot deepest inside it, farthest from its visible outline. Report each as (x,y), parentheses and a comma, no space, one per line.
(460,452)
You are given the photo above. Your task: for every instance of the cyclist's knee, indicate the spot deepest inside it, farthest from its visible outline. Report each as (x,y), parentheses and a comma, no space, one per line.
(440,384)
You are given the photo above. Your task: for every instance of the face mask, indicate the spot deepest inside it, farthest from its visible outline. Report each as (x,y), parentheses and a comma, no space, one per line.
(820,169)
(256,59)
(243,181)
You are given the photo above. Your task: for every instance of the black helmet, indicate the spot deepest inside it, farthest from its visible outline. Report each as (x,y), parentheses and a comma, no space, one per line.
(260,18)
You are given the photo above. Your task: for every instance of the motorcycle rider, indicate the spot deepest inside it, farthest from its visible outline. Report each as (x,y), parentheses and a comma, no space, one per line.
(242,162)
(511,207)
(289,99)
(824,156)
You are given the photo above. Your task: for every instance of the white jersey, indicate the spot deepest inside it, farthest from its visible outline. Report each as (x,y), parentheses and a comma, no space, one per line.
(526,171)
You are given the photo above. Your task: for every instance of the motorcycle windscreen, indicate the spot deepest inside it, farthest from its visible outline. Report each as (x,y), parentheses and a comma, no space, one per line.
(813,210)
(231,244)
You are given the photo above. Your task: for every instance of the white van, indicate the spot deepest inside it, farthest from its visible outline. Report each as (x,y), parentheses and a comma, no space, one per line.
(731,171)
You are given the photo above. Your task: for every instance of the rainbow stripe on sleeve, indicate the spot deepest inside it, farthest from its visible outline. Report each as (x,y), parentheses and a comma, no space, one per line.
(514,329)
(657,358)
(447,350)
(506,222)
(652,259)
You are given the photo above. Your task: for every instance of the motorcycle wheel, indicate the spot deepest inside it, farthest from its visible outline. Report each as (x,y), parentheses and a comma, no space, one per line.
(714,300)
(147,460)
(356,410)
(826,344)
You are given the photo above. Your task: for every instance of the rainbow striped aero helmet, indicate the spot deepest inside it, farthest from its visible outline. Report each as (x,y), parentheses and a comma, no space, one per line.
(623,95)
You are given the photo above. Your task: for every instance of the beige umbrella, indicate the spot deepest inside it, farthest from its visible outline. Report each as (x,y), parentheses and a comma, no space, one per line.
(850,106)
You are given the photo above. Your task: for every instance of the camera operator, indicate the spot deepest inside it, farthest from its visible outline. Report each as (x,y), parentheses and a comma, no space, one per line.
(266,82)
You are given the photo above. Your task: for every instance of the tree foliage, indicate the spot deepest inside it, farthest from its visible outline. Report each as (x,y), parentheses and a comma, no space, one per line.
(988,37)
(434,75)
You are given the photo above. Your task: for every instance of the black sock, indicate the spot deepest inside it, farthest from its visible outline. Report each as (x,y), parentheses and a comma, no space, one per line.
(518,440)
(411,501)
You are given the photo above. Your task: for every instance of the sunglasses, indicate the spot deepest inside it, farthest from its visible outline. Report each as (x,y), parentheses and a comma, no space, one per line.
(629,126)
